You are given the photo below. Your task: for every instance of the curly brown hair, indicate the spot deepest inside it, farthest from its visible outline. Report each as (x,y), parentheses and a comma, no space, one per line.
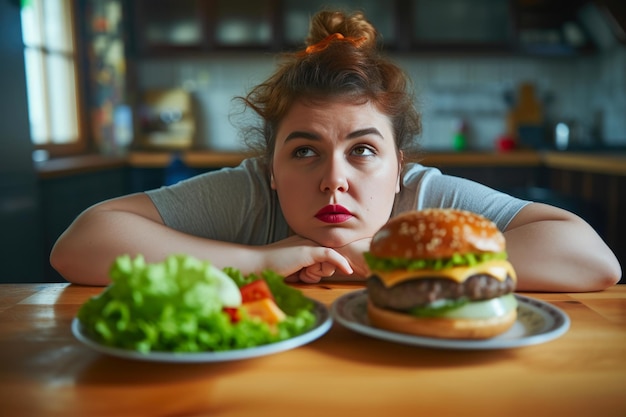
(347,66)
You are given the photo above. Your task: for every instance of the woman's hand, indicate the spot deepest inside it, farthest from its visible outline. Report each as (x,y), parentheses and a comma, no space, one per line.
(300,259)
(352,252)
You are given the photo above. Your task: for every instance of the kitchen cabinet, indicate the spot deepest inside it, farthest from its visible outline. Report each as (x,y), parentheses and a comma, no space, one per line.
(64,197)
(551,27)
(460,24)
(295,15)
(197,26)
(175,27)
(20,213)
(244,24)
(169,25)
(504,178)
(537,27)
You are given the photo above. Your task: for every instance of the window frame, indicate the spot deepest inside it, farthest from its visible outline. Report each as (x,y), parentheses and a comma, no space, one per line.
(80,143)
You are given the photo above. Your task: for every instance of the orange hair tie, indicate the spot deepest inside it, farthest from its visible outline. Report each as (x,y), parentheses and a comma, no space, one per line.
(323,44)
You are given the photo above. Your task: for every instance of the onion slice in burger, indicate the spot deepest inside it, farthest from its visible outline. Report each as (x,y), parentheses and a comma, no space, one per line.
(494,307)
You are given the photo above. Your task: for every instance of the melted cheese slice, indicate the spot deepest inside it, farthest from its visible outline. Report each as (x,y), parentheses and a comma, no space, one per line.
(498,269)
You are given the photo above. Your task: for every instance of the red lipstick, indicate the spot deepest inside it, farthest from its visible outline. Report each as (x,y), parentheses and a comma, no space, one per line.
(333,213)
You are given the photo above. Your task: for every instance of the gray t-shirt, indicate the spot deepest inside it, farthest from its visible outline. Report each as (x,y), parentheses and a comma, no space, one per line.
(237,204)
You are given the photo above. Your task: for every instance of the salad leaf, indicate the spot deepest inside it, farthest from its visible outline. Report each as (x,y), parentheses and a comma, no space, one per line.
(468,259)
(178,306)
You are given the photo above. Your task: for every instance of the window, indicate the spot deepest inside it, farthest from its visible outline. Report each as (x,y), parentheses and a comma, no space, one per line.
(51,67)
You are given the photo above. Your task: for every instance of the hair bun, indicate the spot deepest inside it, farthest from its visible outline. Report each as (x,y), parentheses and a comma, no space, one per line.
(355,25)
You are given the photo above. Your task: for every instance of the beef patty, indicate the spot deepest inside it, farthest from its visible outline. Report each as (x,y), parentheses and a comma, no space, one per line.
(420,292)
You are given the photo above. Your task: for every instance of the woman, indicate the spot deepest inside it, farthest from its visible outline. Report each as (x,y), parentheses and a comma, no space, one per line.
(338,129)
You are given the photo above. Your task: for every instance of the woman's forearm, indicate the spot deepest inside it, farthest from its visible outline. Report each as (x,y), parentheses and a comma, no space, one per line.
(131,225)
(553,250)
(85,252)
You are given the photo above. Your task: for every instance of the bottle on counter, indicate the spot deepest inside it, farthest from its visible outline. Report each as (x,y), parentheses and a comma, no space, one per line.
(459,139)
(177,170)
(526,119)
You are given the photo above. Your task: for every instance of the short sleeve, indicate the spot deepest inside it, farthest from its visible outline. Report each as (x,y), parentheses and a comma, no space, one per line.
(232,205)
(426,187)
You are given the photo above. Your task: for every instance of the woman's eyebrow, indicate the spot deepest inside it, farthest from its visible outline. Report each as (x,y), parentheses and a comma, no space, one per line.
(301,135)
(312,136)
(365,132)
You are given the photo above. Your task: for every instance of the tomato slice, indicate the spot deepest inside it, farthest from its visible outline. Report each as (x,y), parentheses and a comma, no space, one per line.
(233,313)
(256,290)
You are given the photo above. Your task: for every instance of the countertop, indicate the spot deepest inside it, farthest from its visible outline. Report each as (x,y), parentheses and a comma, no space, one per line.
(594,162)
(45,371)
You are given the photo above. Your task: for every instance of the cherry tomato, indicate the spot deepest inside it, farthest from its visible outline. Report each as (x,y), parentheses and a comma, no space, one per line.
(256,290)
(233,313)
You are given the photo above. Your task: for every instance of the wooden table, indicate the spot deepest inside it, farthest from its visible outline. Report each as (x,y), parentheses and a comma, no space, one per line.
(44,371)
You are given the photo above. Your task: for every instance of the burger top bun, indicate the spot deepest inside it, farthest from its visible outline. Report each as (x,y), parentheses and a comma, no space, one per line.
(436,233)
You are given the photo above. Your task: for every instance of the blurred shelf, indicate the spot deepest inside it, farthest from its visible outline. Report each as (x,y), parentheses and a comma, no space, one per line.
(58,167)
(193,159)
(482,159)
(614,164)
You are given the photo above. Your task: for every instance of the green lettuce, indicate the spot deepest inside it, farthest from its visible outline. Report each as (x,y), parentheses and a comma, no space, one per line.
(469,259)
(177,306)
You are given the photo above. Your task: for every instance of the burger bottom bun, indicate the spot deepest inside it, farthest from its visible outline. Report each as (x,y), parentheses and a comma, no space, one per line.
(440,327)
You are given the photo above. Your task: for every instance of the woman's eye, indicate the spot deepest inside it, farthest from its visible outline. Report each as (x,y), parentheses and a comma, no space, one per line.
(303,152)
(363,151)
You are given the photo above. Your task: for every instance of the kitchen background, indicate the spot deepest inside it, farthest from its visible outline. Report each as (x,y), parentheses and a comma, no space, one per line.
(547,77)
(455,90)
(450,91)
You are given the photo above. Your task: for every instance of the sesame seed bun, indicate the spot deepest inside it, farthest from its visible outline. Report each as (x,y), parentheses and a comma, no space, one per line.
(436,233)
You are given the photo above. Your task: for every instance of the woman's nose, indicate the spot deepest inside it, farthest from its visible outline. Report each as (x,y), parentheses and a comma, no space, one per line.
(335,177)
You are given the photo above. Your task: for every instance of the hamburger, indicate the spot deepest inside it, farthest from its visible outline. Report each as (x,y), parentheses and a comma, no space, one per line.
(441,273)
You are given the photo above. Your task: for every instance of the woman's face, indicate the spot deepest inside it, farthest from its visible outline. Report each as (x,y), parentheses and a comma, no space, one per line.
(335,170)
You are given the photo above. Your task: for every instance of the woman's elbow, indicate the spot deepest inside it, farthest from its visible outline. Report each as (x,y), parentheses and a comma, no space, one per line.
(65,260)
(59,260)
(606,273)
(612,275)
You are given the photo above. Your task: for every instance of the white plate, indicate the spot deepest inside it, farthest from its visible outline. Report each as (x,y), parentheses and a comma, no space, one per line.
(322,325)
(537,322)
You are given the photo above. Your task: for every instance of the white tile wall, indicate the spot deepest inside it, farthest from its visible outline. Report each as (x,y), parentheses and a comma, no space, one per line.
(448,90)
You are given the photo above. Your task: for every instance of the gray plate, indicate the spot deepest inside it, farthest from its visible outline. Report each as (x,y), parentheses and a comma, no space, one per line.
(322,325)
(537,322)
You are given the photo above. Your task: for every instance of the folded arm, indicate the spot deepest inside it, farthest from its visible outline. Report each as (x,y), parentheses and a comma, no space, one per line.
(132,225)
(555,250)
